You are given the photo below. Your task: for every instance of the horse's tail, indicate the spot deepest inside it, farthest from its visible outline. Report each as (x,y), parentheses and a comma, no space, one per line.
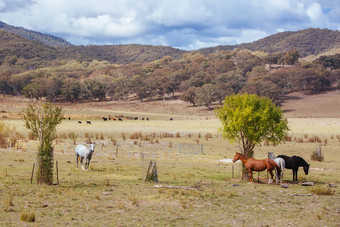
(278,169)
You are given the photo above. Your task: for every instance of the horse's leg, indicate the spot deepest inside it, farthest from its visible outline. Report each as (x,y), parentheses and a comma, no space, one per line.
(81,161)
(271,176)
(77,157)
(250,174)
(88,163)
(277,176)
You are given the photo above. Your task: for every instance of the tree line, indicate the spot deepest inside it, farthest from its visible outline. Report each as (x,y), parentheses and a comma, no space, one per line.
(199,79)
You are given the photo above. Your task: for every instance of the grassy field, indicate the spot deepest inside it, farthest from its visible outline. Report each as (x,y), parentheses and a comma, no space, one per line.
(113,191)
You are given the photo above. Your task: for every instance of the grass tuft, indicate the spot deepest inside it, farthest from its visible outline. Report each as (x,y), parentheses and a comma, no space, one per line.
(27,216)
(321,190)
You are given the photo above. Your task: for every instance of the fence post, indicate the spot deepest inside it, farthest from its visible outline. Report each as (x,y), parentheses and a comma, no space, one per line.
(28,145)
(10,145)
(64,148)
(56,163)
(116,151)
(232,172)
(32,173)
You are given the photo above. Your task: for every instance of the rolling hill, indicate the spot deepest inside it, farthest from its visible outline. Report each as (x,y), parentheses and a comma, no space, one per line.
(18,42)
(312,41)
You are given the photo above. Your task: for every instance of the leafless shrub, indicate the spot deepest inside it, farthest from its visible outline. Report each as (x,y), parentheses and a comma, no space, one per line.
(123,136)
(314,139)
(178,135)
(288,138)
(208,136)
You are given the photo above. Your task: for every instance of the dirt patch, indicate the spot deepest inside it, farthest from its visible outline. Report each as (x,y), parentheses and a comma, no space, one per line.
(297,105)
(324,105)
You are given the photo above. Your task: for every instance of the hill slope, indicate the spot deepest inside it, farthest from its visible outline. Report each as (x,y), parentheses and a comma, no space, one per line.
(312,41)
(48,40)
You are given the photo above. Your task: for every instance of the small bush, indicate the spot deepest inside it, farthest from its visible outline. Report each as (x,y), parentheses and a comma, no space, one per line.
(288,138)
(321,190)
(27,216)
(123,136)
(9,201)
(317,156)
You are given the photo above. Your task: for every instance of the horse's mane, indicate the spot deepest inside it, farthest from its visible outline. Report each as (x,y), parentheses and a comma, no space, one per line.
(301,160)
(244,156)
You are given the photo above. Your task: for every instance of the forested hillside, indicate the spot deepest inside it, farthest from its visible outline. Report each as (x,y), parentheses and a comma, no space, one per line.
(91,73)
(311,41)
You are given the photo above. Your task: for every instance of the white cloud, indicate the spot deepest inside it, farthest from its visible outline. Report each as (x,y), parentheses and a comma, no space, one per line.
(188,24)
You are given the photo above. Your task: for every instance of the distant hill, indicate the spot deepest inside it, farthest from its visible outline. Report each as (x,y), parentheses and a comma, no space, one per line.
(48,40)
(27,44)
(122,54)
(312,41)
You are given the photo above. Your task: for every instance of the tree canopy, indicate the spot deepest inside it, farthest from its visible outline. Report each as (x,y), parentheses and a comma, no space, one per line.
(249,119)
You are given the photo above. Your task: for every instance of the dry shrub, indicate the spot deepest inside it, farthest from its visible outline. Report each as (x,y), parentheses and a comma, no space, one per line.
(3,141)
(87,135)
(97,136)
(178,135)
(62,135)
(199,135)
(325,141)
(31,136)
(136,135)
(170,144)
(197,141)
(123,136)
(9,201)
(288,138)
(208,136)
(114,141)
(27,216)
(101,136)
(321,190)
(135,142)
(265,143)
(317,156)
(299,140)
(314,139)
(305,135)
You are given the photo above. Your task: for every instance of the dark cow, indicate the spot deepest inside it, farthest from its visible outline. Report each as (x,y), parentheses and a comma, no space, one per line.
(88,122)
(119,119)
(79,122)
(136,118)
(104,119)
(171,119)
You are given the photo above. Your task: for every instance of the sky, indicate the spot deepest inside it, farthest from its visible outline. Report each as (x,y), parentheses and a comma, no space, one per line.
(183,24)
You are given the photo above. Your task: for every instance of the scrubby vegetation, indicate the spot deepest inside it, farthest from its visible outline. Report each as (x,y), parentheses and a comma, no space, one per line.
(90,73)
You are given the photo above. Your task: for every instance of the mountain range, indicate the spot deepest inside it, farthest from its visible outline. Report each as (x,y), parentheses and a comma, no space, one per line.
(21,42)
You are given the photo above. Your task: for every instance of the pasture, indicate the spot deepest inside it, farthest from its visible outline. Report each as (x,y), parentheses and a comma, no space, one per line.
(113,191)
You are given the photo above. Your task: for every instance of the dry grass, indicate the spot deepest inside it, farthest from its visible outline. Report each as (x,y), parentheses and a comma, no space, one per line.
(113,191)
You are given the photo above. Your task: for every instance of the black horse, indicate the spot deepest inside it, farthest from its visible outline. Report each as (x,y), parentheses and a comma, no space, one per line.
(294,163)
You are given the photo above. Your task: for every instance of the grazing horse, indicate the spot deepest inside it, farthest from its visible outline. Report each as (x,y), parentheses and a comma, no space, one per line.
(252,164)
(294,163)
(83,152)
(281,163)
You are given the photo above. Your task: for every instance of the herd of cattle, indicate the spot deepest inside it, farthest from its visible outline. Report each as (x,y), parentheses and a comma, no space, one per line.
(116,118)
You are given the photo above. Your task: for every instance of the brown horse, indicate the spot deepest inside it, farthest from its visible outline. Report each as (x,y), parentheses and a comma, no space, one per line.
(252,164)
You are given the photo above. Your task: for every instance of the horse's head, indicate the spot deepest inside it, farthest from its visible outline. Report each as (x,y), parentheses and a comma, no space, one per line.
(92,146)
(306,169)
(271,155)
(236,157)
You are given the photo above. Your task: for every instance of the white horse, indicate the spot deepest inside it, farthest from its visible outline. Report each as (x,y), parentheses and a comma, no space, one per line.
(281,163)
(83,152)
